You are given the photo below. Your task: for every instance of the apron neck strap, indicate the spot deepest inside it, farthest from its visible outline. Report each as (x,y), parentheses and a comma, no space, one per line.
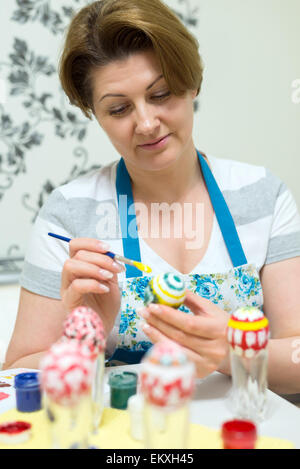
(130,240)
(224,217)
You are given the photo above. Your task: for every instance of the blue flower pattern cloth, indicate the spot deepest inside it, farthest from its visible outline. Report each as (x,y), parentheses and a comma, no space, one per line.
(238,287)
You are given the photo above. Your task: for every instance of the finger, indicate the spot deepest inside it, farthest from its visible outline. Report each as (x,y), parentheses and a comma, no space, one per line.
(211,349)
(100,260)
(77,269)
(184,338)
(87,244)
(199,326)
(197,303)
(153,334)
(203,367)
(79,287)
(79,245)
(203,307)
(200,363)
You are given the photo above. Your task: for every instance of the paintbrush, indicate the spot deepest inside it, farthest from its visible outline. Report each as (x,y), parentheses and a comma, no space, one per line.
(117,257)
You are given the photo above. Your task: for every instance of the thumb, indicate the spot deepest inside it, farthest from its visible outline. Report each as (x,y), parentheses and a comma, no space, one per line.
(199,305)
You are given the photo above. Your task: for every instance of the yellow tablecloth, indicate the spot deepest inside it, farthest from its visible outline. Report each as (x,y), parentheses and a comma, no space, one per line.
(114,433)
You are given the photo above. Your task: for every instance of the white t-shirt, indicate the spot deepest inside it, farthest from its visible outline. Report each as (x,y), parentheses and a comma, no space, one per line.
(263,209)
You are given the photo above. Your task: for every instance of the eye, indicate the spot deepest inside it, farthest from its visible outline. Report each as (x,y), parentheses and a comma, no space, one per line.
(157,97)
(161,96)
(117,112)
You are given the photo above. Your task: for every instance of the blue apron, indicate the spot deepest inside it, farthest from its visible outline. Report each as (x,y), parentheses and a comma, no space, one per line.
(238,287)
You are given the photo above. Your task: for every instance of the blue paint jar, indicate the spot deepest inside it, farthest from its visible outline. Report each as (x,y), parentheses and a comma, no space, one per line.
(28,393)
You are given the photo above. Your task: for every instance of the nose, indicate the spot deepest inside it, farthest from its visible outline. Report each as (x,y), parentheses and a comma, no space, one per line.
(147,121)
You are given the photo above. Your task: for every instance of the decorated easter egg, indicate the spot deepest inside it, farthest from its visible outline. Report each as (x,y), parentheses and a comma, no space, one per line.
(248,331)
(167,376)
(84,325)
(167,289)
(66,372)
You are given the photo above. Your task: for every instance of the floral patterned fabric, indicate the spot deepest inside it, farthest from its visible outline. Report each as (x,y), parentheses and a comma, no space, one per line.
(239,287)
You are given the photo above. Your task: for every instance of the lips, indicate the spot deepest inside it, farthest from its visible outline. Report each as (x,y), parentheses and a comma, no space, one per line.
(154,141)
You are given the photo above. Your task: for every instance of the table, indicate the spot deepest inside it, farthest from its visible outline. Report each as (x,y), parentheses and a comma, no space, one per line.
(209,406)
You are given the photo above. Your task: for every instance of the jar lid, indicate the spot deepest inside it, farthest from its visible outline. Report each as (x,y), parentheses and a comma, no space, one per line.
(239,434)
(136,403)
(27,380)
(122,379)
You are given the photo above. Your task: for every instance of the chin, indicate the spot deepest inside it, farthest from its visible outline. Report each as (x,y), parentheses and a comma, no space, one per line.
(156,162)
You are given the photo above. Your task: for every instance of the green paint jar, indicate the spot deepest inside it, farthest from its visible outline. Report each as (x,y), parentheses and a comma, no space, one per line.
(123,385)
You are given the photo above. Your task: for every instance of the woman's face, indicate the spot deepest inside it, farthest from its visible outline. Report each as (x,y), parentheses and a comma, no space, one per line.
(134,106)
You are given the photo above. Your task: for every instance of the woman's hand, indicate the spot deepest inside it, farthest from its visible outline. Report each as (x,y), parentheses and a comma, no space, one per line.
(89,278)
(202,335)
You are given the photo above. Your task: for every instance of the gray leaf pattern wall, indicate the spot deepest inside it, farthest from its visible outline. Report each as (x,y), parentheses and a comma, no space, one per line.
(44,141)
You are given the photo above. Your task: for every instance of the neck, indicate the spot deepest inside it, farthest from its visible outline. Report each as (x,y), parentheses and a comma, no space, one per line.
(171,184)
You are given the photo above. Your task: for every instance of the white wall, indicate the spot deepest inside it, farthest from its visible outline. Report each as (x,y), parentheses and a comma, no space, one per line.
(251,51)
(9,299)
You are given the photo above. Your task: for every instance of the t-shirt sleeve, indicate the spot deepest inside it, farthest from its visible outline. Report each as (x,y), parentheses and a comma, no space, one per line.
(284,241)
(45,255)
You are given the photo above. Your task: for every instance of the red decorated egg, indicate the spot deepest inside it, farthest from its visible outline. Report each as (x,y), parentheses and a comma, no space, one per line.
(248,331)
(84,325)
(66,372)
(167,377)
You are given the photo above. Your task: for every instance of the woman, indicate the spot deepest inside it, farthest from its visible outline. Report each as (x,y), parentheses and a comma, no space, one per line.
(134,66)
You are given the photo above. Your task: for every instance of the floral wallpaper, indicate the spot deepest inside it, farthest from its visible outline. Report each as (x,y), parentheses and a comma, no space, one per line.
(44,141)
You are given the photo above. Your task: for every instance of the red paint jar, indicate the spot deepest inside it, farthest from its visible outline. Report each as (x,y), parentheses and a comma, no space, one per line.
(239,434)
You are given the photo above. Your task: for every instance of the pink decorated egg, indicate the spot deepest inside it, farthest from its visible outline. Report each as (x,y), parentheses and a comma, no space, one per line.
(167,377)
(248,331)
(66,372)
(84,325)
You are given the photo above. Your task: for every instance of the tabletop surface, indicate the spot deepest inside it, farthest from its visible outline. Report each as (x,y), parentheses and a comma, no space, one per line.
(210,405)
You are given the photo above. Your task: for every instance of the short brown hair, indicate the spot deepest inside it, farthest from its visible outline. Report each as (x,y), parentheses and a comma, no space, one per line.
(109,30)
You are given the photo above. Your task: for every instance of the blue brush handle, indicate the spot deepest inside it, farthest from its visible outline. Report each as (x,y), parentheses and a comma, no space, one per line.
(63,238)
